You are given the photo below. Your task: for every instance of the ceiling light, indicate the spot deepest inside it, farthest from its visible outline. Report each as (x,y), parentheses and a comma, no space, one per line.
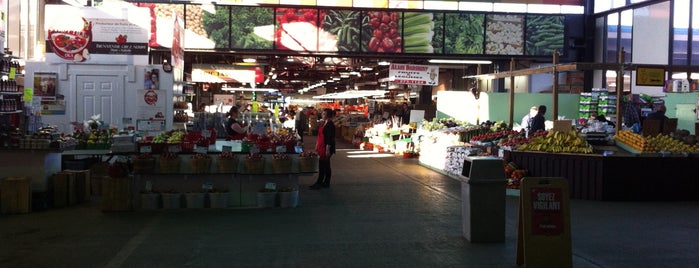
(367,68)
(460,61)
(249,60)
(384,63)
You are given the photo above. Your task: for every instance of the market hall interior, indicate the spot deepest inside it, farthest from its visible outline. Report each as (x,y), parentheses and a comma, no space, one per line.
(382,210)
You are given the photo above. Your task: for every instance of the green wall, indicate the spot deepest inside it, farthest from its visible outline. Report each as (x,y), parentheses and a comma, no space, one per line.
(682,106)
(499,110)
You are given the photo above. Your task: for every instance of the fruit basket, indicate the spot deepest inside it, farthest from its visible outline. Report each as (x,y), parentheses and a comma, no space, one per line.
(227,162)
(199,163)
(169,163)
(143,163)
(281,163)
(308,162)
(254,164)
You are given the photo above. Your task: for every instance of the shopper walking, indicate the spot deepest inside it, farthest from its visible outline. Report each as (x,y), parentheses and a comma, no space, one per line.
(325,146)
(301,123)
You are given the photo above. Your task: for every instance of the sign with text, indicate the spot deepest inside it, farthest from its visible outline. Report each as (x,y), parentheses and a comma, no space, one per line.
(413,74)
(543,235)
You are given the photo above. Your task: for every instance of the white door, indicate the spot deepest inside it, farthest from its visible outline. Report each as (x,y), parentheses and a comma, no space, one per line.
(100,94)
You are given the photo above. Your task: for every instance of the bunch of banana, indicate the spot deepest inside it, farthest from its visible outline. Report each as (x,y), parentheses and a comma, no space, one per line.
(558,142)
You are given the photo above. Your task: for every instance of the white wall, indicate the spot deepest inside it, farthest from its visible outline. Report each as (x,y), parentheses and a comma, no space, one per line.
(651,29)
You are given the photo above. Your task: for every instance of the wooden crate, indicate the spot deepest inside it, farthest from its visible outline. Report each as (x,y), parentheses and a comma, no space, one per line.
(81,183)
(61,185)
(97,172)
(15,195)
(117,194)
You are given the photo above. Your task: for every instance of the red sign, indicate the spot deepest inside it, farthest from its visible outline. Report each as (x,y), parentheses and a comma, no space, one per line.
(547,211)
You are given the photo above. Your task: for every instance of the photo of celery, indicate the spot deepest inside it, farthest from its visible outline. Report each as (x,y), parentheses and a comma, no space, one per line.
(418,32)
(545,34)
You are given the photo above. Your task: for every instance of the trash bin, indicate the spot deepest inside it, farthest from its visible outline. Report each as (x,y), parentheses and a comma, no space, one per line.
(483,199)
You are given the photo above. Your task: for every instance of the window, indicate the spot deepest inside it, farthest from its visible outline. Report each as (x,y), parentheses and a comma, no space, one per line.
(680,33)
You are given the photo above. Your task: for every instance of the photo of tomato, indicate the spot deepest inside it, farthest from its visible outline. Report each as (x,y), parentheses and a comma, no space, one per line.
(69,43)
(150,97)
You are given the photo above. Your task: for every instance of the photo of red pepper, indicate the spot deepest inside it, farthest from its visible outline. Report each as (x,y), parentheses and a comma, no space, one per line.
(383,30)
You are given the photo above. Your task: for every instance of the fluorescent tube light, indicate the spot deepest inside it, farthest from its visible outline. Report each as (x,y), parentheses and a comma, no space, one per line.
(460,61)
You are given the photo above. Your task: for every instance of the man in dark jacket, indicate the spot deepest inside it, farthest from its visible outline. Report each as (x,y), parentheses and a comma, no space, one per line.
(301,122)
(538,122)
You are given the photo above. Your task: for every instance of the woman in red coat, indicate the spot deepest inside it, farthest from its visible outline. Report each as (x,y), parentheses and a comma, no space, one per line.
(325,146)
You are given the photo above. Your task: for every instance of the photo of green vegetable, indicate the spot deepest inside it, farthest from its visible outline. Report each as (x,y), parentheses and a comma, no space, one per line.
(463,33)
(345,25)
(251,27)
(216,26)
(418,32)
(545,34)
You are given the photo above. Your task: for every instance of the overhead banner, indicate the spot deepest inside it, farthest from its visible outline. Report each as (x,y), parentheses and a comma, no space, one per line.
(222,73)
(413,74)
(96,35)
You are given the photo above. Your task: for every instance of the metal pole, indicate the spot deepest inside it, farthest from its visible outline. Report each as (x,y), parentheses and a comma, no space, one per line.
(554,108)
(619,87)
(512,92)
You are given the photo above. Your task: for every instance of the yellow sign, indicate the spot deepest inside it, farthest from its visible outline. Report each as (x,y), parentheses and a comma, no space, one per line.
(543,235)
(13,73)
(646,76)
(28,94)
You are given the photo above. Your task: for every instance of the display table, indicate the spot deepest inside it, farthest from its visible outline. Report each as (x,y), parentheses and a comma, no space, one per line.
(617,177)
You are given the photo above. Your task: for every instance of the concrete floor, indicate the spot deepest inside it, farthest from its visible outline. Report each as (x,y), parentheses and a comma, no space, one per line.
(379,212)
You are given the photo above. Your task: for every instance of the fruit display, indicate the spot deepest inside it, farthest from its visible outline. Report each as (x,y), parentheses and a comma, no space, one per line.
(516,140)
(634,141)
(180,105)
(514,175)
(173,136)
(494,136)
(665,143)
(385,32)
(558,142)
(418,31)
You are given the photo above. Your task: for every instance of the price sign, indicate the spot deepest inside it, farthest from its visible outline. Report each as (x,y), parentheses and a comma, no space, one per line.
(28,94)
(173,148)
(271,186)
(226,149)
(201,149)
(206,133)
(145,149)
(207,186)
(13,73)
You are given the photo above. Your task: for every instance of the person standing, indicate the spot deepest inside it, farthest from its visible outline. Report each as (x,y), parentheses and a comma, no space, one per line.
(405,114)
(632,114)
(527,119)
(234,129)
(325,146)
(538,122)
(301,123)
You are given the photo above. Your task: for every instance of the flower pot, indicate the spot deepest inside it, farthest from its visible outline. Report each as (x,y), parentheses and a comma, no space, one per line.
(266,199)
(219,200)
(254,166)
(227,165)
(308,164)
(281,165)
(195,200)
(289,199)
(171,200)
(150,201)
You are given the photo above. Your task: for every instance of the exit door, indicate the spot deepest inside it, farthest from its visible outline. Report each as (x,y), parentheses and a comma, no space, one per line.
(100,94)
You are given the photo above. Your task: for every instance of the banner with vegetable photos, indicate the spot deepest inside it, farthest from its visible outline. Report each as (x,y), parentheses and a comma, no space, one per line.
(464,33)
(346,27)
(544,34)
(251,28)
(423,32)
(383,29)
(504,34)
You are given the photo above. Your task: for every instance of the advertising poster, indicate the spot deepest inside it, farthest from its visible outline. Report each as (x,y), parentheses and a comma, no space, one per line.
(151,79)
(151,104)
(3,24)
(90,34)
(45,85)
(413,74)
(504,34)
(177,58)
